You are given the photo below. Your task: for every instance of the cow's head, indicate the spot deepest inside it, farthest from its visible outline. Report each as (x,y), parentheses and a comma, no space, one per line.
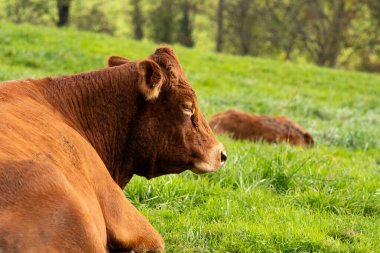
(169,134)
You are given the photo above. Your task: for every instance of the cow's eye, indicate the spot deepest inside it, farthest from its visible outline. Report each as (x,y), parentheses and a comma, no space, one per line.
(188,109)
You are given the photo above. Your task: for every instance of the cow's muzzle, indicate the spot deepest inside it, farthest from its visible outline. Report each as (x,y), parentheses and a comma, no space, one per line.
(216,159)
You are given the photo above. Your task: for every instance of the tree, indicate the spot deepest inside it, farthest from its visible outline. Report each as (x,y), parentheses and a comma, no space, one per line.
(63,12)
(323,28)
(138,20)
(31,11)
(162,19)
(220,32)
(243,28)
(185,30)
(283,32)
(363,42)
(94,18)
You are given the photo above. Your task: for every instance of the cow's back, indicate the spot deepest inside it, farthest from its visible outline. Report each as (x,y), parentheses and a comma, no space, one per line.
(245,126)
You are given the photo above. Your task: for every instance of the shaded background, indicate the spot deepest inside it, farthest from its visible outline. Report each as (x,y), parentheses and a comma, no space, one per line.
(331,33)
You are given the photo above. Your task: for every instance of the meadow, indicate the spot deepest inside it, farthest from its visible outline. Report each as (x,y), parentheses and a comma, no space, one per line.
(268,198)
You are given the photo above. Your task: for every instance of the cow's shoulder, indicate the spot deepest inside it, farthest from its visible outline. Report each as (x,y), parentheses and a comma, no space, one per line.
(52,205)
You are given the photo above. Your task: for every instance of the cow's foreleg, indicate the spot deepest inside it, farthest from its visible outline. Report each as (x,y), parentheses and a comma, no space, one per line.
(127,228)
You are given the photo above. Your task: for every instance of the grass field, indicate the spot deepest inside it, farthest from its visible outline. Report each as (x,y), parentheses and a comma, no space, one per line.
(268,198)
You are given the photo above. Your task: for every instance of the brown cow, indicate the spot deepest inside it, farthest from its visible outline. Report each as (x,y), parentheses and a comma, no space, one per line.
(69,144)
(242,125)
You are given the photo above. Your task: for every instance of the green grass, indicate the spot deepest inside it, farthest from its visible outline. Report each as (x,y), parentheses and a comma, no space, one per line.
(268,198)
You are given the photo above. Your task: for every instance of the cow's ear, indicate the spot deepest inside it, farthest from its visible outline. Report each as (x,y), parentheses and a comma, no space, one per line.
(115,60)
(150,79)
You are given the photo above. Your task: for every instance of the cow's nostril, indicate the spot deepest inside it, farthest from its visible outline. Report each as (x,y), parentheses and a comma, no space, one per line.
(223,157)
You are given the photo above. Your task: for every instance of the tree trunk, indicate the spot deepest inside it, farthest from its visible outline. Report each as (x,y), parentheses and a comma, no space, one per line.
(245,26)
(138,20)
(220,33)
(186,29)
(337,29)
(63,12)
(330,48)
(162,21)
(288,48)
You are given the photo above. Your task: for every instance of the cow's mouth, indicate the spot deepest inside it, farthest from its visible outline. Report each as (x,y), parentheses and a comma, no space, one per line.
(197,168)
(203,167)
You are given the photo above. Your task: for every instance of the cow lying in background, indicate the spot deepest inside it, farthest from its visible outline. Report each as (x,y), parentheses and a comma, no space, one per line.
(246,126)
(68,145)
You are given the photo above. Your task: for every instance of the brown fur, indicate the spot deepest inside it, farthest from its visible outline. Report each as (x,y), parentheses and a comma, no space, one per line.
(242,125)
(69,144)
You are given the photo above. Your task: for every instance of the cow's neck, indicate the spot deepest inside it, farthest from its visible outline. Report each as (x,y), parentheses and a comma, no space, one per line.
(100,105)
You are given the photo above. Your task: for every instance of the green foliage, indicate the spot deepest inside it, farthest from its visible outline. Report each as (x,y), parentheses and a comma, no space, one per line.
(268,198)
(92,17)
(339,33)
(32,11)
(163,20)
